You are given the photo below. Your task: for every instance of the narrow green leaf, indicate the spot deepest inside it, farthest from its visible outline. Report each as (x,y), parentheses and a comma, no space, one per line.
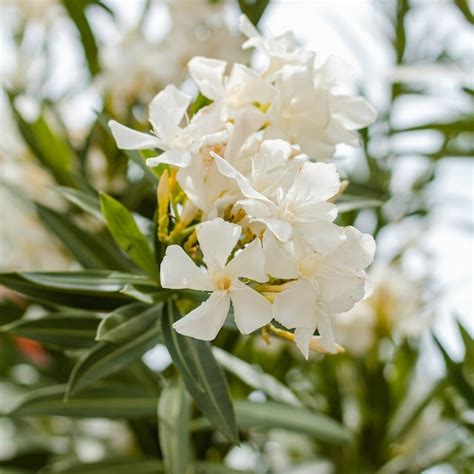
(92,282)
(109,466)
(255,377)
(202,376)
(271,415)
(77,14)
(104,401)
(65,330)
(89,250)
(127,234)
(106,358)
(126,322)
(85,201)
(253,9)
(68,298)
(173,427)
(356,204)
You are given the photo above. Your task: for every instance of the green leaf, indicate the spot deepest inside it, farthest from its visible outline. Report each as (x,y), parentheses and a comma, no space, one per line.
(89,250)
(253,9)
(109,466)
(255,377)
(10,312)
(356,204)
(103,401)
(50,149)
(63,297)
(77,14)
(91,282)
(126,322)
(202,376)
(271,415)
(106,358)
(85,201)
(173,427)
(65,330)
(127,234)
(456,376)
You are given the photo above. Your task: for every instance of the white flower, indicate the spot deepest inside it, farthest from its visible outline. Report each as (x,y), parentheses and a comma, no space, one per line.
(280,50)
(242,88)
(167,110)
(308,113)
(217,239)
(300,212)
(325,285)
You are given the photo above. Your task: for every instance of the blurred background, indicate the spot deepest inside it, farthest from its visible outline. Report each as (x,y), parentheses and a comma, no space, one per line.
(404,387)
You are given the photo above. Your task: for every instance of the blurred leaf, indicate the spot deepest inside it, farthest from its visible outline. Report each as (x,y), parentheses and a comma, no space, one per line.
(109,466)
(356,204)
(106,358)
(9,311)
(253,9)
(127,234)
(464,8)
(66,330)
(85,201)
(52,150)
(272,415)
(76,11)
(173,425)
(255,377)
(107,400)
(456,376)
(200,102)
(202,376)
(126,322)
(43,294)
(89,250)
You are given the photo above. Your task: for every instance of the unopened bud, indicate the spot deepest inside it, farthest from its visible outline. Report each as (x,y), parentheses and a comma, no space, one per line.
(188,214)
(163,193)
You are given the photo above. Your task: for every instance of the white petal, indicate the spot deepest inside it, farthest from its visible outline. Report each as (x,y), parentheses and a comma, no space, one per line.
(358,249)
(208,75)
(353,112)
(282,230)
(322,236)
(244,184)
(247,28)
(129,139)
(251,309)
(217,239)
(167,110)
(295,307)
(316,182)
(303,338)
(249,263)
(178,158)
(279,263)
(207,319)
(178,271)
(325,331)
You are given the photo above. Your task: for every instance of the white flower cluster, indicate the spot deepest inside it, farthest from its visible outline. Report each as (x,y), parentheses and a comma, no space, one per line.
(247,163)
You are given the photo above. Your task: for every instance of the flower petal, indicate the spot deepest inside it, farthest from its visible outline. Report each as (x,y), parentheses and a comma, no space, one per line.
(353,112)
(295,307)
(207,319)
(249,263)
(208,75)
(358,249)
(279,263)
(167,110)
(251,309)
(129,139)
(179,158)
(217,239)
(325,331)
(282,230)
(178,271)
(303,337)
(323,236)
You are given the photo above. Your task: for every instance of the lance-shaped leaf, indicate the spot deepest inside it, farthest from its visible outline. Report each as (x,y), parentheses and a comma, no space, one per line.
(202,376)
(89,250)
(255,377)
(173,427)
(51,296)
(87,202)
(106,358)
(65,330)
(125,231)
(107,400)
(126,322)
(272,415)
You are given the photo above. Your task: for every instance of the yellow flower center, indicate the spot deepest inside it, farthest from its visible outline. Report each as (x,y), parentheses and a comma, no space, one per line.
(223,283)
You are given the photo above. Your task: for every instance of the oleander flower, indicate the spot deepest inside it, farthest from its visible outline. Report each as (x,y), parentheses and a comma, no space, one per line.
(217,240)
